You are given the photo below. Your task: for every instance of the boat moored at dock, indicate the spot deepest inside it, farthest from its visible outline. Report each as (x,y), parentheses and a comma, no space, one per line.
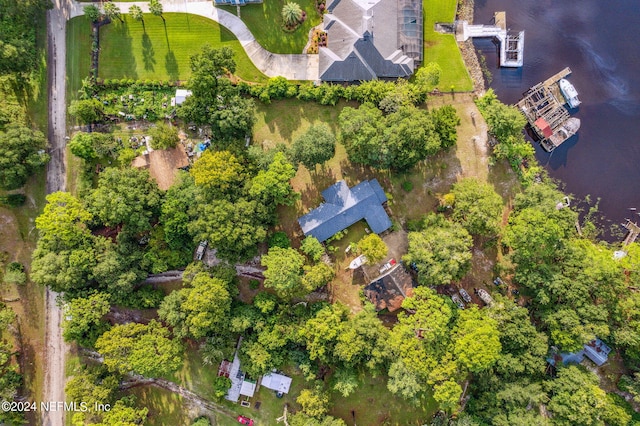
(544,107)
(569,92)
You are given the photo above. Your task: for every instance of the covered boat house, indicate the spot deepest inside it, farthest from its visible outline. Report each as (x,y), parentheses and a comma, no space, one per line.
(345,206)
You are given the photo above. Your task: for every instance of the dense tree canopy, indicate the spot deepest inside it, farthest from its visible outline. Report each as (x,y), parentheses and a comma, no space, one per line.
(315,146)
(125,196)
(398,140)
(284,271)
(143,349)
(477,207)
(219,173)
(373,248)
(272,186)
(18,34)
(441,251)
(87,111)
(163,136)
(83,319)
(215,101)
(199,309)
(21,154)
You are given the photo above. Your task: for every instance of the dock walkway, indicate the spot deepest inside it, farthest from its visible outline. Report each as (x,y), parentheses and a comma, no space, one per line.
(543,106)
(511,45)
(634,231)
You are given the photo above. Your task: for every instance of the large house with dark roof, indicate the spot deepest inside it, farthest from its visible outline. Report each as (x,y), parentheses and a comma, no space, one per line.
(345,206)
(389,290)
(371,39)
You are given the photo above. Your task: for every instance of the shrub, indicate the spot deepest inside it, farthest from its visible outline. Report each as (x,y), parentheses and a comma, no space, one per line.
(407,186)
(279,239)
(15,274)
(13,200)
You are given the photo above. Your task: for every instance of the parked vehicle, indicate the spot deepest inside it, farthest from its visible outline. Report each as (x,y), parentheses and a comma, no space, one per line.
(245,420)
(201,249)
(390,264)
(498,281)
(485,296)
(465,295)
(456,299)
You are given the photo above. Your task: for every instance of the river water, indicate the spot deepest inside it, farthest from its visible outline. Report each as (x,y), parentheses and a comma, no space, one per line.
(599,41)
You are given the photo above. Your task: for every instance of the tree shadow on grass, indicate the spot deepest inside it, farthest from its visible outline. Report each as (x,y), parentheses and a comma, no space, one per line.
(171,65)
(148,53)
(116,57)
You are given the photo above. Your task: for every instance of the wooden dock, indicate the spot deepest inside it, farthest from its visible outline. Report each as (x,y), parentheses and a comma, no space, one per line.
(511,44)
(543,106)
(632,235)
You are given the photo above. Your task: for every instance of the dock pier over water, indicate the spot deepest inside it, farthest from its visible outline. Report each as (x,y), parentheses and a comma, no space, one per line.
(511,44)
(632,235)
(543,106)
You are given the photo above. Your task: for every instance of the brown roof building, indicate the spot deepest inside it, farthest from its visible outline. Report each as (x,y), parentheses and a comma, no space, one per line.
(163,164)
(389,290)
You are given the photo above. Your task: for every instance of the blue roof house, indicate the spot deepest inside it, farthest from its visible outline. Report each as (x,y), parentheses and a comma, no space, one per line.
(345,206)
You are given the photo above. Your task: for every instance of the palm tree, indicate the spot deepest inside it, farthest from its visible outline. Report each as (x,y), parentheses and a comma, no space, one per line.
(291,14)
(112,11)
(156,8)
(92,12)
(136,13)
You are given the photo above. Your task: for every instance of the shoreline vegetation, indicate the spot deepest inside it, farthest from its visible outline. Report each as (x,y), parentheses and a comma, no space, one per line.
(468,51)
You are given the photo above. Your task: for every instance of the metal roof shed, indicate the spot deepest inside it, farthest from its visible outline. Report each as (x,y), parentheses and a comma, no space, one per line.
(276,382)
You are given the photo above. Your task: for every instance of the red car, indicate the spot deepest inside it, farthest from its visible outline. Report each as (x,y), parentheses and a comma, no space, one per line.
(245,420)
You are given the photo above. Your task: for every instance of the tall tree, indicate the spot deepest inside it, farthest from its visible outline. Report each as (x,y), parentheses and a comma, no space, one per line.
(284,271)
(441,252)
(136,13)
(198,310)
(315,146)
(83,319)
(112,11)
(219,173)
(21,154)
(477,340)
(373,248)
(163,136)
(125,196)
(272,186)
(143,349)
(81,145)
(233,228)
(92,12)
(477,207)
(155,7)
(87,111)
(576,398)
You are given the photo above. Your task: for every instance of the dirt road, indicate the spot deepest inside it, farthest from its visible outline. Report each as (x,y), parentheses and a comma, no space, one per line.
(55,347)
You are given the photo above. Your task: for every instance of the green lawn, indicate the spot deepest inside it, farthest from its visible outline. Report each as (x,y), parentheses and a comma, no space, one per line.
(442,48)
(160,50)
(78,54)
(373,404)
(265,23)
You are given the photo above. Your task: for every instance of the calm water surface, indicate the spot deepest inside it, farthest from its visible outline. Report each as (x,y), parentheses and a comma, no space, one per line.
(599,41)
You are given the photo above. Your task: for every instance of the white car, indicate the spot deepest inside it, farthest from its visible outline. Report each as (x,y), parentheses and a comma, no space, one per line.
(201,248)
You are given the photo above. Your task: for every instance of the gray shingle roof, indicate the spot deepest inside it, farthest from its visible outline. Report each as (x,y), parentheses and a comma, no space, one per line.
(343,207)
(370,39)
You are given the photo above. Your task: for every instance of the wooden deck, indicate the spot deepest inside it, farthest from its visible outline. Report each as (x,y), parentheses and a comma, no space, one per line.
(632,235)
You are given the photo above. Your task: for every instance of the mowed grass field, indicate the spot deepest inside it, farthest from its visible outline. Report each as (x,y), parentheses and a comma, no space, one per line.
(157,49)
(78,54)
(442,48)
(264,20)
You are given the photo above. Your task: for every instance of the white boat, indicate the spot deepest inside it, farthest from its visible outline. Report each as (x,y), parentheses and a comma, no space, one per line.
(564,132)
(569,92)
(358,262)
(485,296)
